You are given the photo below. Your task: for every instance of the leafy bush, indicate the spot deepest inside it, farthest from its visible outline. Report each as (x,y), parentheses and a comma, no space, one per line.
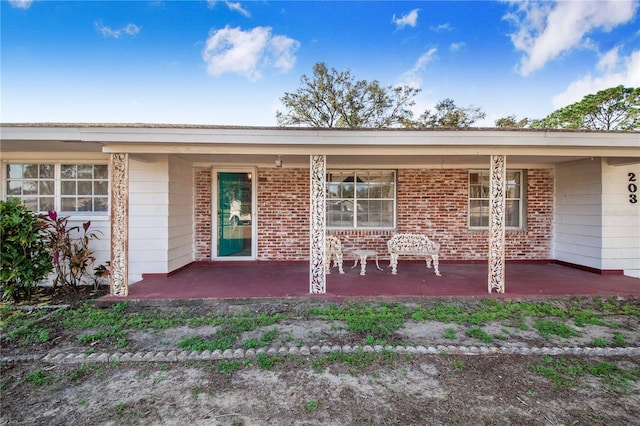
(25,259)
(69,249)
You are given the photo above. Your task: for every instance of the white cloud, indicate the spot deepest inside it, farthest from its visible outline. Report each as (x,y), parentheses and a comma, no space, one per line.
(441,27)
(410,19)
(21,4)
(609,60)
(237,7)
(129,29)
(412,77)
(546,30)
(454,47)
(617,71)
(231,50)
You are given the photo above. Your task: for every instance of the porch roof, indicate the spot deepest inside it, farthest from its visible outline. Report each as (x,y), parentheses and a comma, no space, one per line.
(343,147)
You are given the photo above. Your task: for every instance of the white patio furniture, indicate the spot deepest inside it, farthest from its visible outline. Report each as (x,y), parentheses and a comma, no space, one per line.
(413,245)
(361,255)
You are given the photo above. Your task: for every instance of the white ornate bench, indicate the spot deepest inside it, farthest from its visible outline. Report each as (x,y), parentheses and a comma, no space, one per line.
(333,249)
(413,245)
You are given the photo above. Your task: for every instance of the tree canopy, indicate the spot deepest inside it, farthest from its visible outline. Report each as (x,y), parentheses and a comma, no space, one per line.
(616,108)
(511,122)
(336,99)
(331,98)
(448,115)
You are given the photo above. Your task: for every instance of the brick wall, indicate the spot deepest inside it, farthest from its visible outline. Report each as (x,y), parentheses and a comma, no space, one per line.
(435,202)
(283,214)
(202,212)
(430,201)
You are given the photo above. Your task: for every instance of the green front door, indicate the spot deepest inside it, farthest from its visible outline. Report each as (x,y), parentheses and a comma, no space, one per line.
(234,219)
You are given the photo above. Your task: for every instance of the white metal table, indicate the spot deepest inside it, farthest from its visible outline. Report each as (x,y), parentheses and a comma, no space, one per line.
(361,255)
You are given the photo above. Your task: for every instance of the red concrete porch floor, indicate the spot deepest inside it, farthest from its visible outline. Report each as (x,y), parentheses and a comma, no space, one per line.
(221,281)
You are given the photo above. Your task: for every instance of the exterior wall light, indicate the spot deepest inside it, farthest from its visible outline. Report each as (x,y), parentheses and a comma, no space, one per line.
(278,161)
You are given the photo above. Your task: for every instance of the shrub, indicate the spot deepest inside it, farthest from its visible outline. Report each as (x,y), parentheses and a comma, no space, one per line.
(69,249)
(25,259)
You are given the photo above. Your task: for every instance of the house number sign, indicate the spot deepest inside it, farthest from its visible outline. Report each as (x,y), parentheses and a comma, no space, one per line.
(633,188)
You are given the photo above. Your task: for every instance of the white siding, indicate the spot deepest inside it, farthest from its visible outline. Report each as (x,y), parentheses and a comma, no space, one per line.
(621,220)
(160,216)
(578,213)
(595,224)
(148,219)
(180,213)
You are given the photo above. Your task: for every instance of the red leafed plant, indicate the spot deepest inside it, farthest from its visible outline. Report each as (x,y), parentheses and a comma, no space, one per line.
(69,249)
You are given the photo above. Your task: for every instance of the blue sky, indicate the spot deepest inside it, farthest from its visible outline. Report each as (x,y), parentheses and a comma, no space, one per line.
(229,63)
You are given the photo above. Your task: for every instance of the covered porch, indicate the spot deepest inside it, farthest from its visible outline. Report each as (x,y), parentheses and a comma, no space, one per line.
(239,280)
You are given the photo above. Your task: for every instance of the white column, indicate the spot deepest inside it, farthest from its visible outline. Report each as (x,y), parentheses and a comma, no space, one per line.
(119,173)
(317,278)
(497,188)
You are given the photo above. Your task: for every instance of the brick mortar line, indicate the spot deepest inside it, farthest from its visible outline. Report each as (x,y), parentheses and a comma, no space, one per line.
(179,356)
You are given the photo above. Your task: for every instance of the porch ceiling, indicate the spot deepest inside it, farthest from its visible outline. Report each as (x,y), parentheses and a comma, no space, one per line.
(378,161)
(49,146)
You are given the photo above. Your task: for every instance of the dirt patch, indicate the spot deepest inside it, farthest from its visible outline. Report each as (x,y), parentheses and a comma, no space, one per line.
(431,389)
(382,388)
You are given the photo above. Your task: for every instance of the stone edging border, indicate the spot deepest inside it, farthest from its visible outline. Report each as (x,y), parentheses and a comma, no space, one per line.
(180,356)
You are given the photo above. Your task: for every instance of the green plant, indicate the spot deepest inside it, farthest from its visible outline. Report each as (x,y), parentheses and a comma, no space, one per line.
(619,339)
(379,321)
(270,336)
(79,372)
(158,379)
(39,377)
(266,362)
(478,333)
(69,249)
(615,378)
(265,339)
(228,367)
(458,365)
(600,342)
(25,260)
(29,334)
(563,373)
(583,317)
(115,331)
(311,405)
(251,344)
(450,333)
(198,343)
(504,334)
(548,328)
(229,332)
(372,341)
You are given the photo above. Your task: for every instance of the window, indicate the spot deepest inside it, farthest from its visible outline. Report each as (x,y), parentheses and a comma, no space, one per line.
(33,184)
(361,199)
(84,187)
(479,199)
(60,187)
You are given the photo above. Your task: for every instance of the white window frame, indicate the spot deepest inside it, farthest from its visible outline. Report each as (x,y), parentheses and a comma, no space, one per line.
(355,173)
(57,182)
(521,198)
